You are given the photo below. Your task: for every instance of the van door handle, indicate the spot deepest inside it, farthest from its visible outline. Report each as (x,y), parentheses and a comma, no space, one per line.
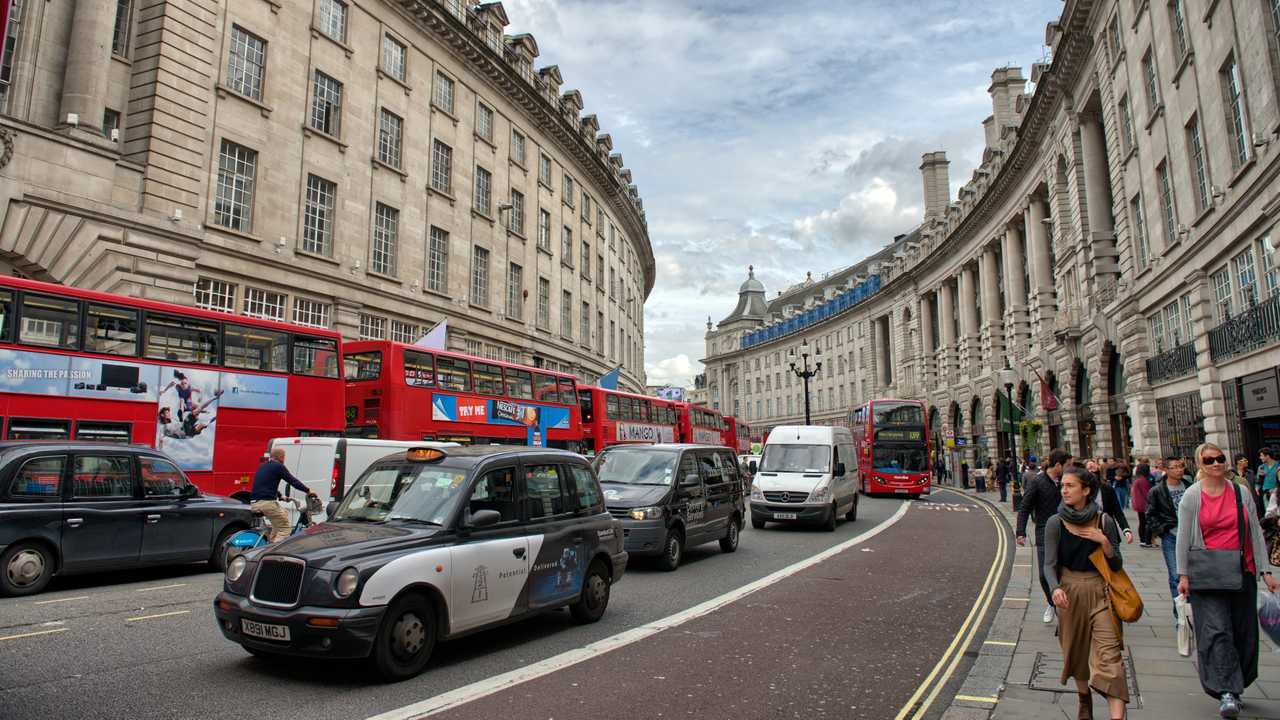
(75,522)
(518,552)
(153,519)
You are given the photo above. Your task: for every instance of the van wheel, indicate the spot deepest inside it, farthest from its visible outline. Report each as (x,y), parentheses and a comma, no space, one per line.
(757,523)
(25,569)
(672,552)
(406,638)
(729,542)
(853,511)
(594,599)
(830,524)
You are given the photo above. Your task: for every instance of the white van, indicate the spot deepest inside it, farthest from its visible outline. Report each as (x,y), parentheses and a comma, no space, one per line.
(329,465)
(807,473)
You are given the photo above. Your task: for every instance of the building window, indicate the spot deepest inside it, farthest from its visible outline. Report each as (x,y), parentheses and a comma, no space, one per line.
(233,204)
(247,64)
(568,190)
(586,208)
(544,303)
(479,276)
(264,304)
(1177,20)
(600,331)
(566,246)
(1151,81)
(1221,283)
(1270,259)
(317,216)
(390,138)
(613,339)
(110,122)
(566,314)
(613,283)
(600,271)
(517,212)
(1141,248)
(1115,45)
(444,92)
(517,147)
(393,57)
(544,230)
(1199,164)
(1246,274)
(121,31)
(403,332)
(1126,124)
(1168,210)
(599,218)
(1237,121)
(12,33)
(613,237)
(1155,326)
(484,121)
(584,324)
(372,327)
(438,261)
(586,260)
(310,313)
(333,19)
(386,230)
(544,170)
(326,105)
(215,295)
(442,167)
(484,192)
(515,292)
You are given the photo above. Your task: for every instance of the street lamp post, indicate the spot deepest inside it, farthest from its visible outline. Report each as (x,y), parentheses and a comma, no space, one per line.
(805,374)
(1009,377)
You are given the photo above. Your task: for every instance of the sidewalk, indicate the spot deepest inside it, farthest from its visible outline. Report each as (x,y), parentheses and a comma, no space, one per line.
(1015,675)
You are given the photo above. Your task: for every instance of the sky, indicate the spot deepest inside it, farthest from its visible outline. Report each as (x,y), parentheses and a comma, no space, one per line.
(784,134)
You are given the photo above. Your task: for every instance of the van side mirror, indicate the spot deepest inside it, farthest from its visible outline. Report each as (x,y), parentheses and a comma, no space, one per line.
(752,467)
(840,469)
(484,518)
(330,509)
(691,480)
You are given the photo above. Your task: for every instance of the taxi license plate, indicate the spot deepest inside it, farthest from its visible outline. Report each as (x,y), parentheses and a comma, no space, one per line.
(900,491)
(784,516)
(264,631)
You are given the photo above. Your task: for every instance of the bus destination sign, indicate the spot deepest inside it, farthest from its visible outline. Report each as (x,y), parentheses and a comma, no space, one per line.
(899,435)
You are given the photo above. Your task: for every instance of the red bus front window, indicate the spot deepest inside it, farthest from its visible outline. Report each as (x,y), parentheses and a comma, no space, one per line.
(566,391)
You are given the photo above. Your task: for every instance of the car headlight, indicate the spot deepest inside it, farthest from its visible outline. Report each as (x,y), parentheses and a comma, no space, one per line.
(756,493)
(346,583)
(646,513)
(822,493)
(236,567)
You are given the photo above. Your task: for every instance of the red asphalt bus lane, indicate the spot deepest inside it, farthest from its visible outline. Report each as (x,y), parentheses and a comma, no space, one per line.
(851,637)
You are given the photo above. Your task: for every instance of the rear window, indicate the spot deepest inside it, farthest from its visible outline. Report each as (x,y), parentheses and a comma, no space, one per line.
(362,366)
(315,356)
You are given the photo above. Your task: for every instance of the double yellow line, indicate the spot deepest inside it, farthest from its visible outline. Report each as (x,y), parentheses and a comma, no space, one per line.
(916,707)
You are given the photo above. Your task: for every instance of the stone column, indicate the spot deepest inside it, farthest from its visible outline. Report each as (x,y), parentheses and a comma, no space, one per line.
(1043,299)
(994,317)
(927,372)
(84,80)
(1015,291)
(947,336)
(967,302)
(1101,245)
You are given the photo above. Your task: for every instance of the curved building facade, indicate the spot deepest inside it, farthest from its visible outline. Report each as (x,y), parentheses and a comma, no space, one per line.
(375,167)
(1107,280)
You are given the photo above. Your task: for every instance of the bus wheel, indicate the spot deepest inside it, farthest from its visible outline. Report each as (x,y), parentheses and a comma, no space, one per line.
(852,515)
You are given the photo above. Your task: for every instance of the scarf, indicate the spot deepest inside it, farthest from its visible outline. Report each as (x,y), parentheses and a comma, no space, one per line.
(1078,517)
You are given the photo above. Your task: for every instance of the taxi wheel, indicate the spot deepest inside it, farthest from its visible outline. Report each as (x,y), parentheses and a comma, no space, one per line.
(595,595)
(25,569)
(672,551)
(830,523)
(405,639)
(729,542)
(853,511)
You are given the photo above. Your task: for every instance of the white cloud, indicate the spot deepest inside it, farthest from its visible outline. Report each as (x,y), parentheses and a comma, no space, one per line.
(671,371)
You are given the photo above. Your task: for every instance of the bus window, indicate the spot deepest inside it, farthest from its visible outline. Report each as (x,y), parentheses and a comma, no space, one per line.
(519,384)
(315,356)
(181,339)
(645,410)
(585,404)
(6,315)
(544,388)
(50,321)
(566,391)
(363,366)
(419,369)
(38,429)
(454,373)
(111,330)
(611,408)
(109,432)
(488,378)
(255,348)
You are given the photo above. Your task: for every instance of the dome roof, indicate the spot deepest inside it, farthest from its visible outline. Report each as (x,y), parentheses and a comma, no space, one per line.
(751,284)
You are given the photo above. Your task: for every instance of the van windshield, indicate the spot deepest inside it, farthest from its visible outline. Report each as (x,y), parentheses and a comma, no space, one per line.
(414,492)
(796,458)
(636,466)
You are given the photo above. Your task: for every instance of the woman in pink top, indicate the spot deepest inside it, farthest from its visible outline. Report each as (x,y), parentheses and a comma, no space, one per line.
(1141,488)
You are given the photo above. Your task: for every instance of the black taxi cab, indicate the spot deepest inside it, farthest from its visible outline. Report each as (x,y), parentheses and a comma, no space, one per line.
(428,545)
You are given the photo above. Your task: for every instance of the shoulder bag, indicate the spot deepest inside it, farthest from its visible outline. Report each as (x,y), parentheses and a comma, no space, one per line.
(1218,569)
(1125,601)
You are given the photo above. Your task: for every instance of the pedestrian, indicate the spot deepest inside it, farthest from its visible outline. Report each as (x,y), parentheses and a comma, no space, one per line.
(1088,630)
(964,474)
(1269,468)
(1004,475)
(1157,472)
(1029,472)
(1163,503)
(980,474)
(265,493)
(1249,478)
(1221,554)
(1040,498)
(1141,489)
(1120,481)
(1108,502)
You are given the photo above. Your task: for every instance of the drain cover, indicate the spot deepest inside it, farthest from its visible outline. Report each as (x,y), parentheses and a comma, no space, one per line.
(1048,670)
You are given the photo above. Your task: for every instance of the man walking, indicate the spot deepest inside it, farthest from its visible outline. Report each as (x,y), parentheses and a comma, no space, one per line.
(1040,499)
(266,491)
(1004,475)
(1268,469)
(1162,517)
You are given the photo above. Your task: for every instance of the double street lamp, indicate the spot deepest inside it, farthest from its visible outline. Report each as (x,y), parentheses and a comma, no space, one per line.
(804,373)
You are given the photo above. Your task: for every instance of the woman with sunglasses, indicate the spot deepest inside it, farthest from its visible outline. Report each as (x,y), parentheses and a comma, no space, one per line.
(1220,555)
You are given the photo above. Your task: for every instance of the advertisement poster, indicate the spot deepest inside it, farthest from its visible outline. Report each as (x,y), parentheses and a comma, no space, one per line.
(186,416)
(636,432)
(537,419)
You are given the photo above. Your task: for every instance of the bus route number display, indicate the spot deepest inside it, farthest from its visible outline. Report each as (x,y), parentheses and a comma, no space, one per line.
(906,435)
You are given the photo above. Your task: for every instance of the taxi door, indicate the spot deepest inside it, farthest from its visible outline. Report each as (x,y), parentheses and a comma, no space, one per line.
(490,564)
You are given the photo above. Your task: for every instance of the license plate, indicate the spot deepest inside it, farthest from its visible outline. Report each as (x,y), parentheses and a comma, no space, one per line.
(900,491)
(264,631)
(784,516)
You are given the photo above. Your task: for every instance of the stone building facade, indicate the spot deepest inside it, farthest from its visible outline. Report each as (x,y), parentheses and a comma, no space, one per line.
(1111,265)
(375,166)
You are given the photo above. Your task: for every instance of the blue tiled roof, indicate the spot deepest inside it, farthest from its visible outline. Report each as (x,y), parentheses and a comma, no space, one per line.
(840,303)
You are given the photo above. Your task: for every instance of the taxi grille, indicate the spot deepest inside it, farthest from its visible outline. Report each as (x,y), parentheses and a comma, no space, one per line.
(786,497)
(623,513)
(278,582)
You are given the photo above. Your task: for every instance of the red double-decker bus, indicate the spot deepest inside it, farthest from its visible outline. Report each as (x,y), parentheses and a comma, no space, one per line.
(402,392)
(208,388)
(737,435)
(891,439)
(612,417)
(700,425)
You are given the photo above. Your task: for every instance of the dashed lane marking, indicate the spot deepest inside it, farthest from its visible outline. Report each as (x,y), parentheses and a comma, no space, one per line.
(158,615)
(60,600)
(33,634)
(161,587)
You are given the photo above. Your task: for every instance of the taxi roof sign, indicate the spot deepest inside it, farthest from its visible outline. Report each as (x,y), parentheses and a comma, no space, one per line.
(424,454)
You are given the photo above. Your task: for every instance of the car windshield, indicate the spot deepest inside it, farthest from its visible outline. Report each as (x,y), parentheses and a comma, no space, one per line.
(410,492)
(636,466)
(796,458)
(899,458)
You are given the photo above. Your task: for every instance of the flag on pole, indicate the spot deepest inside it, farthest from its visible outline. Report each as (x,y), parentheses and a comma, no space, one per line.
(1048,399)
(5,9)
(437,337)
(609,380)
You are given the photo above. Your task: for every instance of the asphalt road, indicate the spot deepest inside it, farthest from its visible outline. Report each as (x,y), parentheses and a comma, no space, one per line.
(850,637)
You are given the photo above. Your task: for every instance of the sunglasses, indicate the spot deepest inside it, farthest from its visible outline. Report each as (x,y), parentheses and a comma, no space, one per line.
(1213,459)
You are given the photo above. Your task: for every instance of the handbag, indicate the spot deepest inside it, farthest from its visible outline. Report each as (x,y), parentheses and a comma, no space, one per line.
(1218,569)
(1125,601)
(1186,631)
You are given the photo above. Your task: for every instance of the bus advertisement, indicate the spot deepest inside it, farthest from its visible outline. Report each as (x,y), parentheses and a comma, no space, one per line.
(612,417)
(700,425)
(891,439)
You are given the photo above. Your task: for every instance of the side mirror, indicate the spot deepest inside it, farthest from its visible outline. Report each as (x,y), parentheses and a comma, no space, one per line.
(752,467)
(840,469)
(330,509)
(484,518)
(691,480)
(188,491)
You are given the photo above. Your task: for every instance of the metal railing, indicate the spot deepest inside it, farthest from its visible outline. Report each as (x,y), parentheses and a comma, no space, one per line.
(1170,364)
(1256,327)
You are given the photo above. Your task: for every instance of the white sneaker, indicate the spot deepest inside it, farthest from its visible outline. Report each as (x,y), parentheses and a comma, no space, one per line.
(1049,614)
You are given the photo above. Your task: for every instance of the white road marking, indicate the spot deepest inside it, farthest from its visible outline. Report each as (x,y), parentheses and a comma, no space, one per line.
(160,615)
(497,683)
(161,587)
(60,600)
(33,634)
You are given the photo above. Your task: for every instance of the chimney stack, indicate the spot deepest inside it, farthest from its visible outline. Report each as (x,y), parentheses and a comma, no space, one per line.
(1007,85)
(937,183)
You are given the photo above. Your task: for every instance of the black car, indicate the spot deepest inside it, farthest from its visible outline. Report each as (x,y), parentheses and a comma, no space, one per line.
(70,507)
(673,496)
(430,544)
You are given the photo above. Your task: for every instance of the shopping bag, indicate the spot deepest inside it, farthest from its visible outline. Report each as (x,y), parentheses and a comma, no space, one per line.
(1186,633)
(1269,614)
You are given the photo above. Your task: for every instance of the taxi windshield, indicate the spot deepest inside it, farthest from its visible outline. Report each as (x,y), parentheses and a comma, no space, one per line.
(636,466)
(412,492)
